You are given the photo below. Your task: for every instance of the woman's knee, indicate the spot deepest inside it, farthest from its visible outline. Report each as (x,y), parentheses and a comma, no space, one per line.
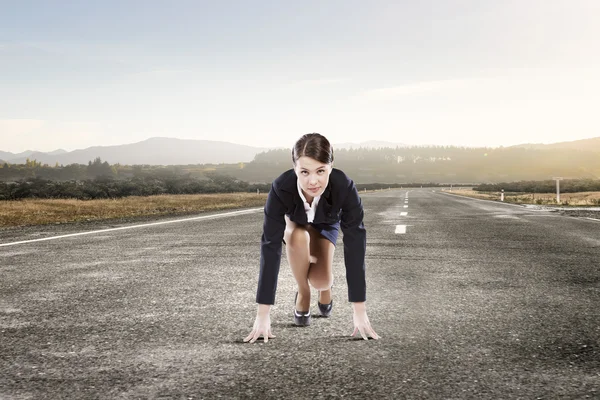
(297,239)
(320,281)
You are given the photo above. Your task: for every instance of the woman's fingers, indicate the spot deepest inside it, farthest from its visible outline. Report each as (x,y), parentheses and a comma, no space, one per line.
(376,334)
(249,336)
(362,333)
(256,333)
(365,331)
(256,336)
(373,334)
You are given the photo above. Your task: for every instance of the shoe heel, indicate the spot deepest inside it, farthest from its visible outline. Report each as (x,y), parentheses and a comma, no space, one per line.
(325,309)
(301,318)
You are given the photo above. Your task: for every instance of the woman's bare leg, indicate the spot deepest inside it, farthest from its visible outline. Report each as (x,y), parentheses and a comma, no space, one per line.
(310,256)
(320,274)
(297,248)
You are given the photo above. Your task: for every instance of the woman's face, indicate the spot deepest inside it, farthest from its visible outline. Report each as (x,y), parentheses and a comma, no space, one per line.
(313,176)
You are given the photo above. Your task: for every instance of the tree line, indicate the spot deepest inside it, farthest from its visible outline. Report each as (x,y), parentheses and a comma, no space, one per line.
(444,164)
(106,187)
(547,186)
(437,164)
(111,188)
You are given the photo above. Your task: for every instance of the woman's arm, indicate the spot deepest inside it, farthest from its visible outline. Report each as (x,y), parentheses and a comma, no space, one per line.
(270,248)
(270,261)
(355,244)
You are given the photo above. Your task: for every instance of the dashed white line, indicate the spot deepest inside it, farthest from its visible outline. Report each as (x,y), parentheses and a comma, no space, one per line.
(403,214)
(405,206)
(400,229)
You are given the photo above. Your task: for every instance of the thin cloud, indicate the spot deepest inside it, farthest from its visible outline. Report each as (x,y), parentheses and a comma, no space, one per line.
(394,92)
(317,82)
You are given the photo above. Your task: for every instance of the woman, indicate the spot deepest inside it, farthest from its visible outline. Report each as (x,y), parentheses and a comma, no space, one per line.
(304,209)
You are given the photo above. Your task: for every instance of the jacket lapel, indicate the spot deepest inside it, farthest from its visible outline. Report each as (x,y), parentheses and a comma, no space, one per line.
(299,214)
(323,210)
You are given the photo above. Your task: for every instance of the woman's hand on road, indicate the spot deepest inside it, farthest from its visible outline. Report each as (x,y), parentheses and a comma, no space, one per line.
(262,325)
(362,323)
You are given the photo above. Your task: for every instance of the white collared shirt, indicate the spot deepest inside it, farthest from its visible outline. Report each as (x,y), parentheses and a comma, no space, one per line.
(310,209)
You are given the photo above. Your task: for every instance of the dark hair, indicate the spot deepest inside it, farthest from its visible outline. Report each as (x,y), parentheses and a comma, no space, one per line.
(313,145)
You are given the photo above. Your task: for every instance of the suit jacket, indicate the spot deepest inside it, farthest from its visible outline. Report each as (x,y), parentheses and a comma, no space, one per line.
(339,202)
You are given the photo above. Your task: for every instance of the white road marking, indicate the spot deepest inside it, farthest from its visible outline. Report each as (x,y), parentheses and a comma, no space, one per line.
(405,206)
(403,214)
(485,200)
(592,219)
(400,229)
(228,214)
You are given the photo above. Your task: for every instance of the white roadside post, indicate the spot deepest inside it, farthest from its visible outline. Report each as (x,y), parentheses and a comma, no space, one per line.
(502,195)
(257,191)
(557,179)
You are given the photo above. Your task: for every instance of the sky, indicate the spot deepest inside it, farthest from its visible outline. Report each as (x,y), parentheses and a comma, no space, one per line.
(75,74)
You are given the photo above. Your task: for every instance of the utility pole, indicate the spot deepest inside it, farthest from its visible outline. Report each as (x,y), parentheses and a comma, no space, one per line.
(557,179)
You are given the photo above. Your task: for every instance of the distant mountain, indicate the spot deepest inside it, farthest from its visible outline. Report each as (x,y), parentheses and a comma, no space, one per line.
(153,151)
(171,151)
(377,144)
(592,144)
(8,156)
(57,152)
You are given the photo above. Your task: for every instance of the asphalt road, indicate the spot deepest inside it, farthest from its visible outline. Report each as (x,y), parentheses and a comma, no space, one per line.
(475,300)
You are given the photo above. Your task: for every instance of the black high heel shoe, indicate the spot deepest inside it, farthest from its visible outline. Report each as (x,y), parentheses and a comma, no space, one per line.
(301,318)
(325,309)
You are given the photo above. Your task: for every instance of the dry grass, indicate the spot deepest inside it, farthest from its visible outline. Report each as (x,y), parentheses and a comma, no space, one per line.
(566,199)
(39,211)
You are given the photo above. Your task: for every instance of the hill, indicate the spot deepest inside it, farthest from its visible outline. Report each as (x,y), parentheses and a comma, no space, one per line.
(166,151)
(373,144)
(9,156)
(592,144)
(153,151)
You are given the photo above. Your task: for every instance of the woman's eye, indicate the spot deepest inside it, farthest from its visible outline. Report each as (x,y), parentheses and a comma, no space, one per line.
(304,172)
(320,172)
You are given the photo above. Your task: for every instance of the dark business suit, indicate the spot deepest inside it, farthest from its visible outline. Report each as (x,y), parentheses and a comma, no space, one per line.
(339,202)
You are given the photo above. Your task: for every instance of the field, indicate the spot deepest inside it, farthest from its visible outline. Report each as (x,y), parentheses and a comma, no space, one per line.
(589,199)
(58,211)
(52,211)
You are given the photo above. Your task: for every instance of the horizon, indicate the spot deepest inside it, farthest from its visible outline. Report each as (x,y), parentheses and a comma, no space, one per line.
(281,147)
(445,73)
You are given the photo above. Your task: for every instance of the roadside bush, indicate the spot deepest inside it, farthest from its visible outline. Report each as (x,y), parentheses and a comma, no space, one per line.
(106,187)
